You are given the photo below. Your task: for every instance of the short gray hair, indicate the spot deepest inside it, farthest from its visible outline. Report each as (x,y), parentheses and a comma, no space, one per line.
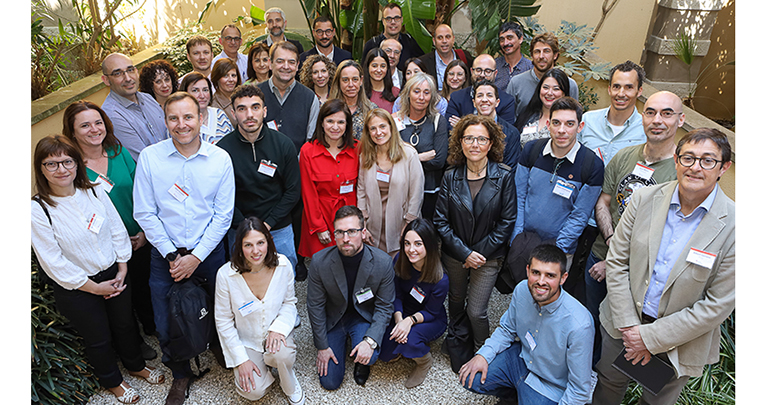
(276,10)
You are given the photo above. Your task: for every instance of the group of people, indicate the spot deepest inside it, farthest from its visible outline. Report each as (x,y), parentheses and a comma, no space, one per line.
(389,186)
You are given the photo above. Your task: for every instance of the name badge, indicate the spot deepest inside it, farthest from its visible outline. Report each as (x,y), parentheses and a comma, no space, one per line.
(417,294)
(701,258)
(105,183)
(267,168)
(364,295)
(178,193)
(399,122)
(272,125)
(643,171)
(346,188)
(383,177)
(599,153)
(529,129)
(247,308)
(95,223)
(530,341)
(562,189)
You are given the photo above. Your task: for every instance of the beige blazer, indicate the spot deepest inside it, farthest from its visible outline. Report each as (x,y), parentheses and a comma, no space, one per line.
(404,198)
(695,300)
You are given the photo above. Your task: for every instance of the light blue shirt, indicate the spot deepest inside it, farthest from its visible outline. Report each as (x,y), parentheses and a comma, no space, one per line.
(677,232)
(441,68)
(563,334)
(136,125)
(201,219)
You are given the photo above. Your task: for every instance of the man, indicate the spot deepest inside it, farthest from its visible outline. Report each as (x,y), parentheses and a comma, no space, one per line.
(137,119)
(671,272)
(392,48)
(230,39)
(544,49)
(199,53)
(558,181)
(183,199)
(486,98)
(511,62)
(436,62)
(541,314)
(461,101)
(323,33)
(350,293)
(276,29)
(292,108)
(267,183)
(633,167)
(392,22)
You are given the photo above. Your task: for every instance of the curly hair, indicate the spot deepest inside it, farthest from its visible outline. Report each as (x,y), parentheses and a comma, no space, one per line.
(306,73)
(496,136)
(151,70)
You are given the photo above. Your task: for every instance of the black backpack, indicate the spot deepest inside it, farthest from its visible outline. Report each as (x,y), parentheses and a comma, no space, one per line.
(191,319)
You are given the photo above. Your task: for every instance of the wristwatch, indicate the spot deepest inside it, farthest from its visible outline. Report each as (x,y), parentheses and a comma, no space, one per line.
(171,256)
(371,342)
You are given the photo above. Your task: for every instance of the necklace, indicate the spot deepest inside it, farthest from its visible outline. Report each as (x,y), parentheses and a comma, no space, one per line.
(415,138)
(477,173)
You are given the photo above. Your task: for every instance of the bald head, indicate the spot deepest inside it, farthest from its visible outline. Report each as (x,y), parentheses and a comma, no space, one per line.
(392,48)
(484,67)
(120,75)
(662,115)
(443,40)
(111,60)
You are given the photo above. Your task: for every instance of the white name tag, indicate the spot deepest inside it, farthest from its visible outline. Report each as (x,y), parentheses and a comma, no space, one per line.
(346,188)
(247,308)
(562,190)
(178,193)
(267,168)
(530,341)
(272,125)
(530,129)
(364,295)
(383,177)
(95,223)
(105,183)
(701,258)
(598,152)
(399,122)
(643,171)
(417,294)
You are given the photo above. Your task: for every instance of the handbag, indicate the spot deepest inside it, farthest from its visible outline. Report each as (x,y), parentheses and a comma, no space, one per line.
(459,341)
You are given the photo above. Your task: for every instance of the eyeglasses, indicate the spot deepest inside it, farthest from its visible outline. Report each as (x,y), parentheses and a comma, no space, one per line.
(68,164)
(707,163)
(119,73)
(482,140)
(390,51)
(650,113)
(352,233)
(485,72)
(392,19)
(321,32)
(233,39)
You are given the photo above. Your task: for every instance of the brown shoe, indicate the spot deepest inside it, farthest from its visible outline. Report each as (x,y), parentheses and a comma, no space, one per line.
(417,376)
(178,392)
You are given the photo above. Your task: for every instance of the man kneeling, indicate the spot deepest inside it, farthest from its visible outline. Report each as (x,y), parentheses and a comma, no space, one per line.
(552,361)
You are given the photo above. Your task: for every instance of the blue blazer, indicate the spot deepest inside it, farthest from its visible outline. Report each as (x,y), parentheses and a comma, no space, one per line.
(339,55)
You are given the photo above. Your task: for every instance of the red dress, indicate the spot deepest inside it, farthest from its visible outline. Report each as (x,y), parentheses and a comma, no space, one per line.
(327,185)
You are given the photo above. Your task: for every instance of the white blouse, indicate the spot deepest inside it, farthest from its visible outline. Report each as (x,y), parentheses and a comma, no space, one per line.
(68,251)
(249,325)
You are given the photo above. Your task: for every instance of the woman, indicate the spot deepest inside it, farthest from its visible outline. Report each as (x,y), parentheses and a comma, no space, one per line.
(158,79)
(475,214)
(111,166)
(421,125)
(532,123)
(82,245)
(316,75)
(390,181)
(421,287)
(225,77)
(378,80)
(215,124)
(485,100)
(328,167)
(347,86)
(255,309)
(411,68)
(457,77)
(258,67)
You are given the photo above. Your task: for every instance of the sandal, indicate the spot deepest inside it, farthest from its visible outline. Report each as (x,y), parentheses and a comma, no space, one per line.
(129,396)
(155,376)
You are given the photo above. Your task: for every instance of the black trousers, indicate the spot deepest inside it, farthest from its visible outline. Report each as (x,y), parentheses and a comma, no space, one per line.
(139,273)
(104,324)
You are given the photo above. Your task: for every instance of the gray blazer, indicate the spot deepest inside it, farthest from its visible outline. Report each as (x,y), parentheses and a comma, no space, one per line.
(327,292)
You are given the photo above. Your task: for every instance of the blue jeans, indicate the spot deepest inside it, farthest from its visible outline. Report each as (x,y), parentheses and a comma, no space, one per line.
(282,238)
(350,325)
(505,378)
(160,284)
(595,293)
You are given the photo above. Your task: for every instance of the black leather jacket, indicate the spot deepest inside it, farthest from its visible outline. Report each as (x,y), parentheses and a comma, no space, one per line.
(483,227)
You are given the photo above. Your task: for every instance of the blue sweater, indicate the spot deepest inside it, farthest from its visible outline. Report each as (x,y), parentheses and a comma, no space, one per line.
(561,216)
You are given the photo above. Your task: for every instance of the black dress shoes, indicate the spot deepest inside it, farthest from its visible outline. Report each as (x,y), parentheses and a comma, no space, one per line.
(360,373)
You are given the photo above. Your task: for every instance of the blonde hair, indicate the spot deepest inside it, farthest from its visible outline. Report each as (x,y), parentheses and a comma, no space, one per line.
(367,149)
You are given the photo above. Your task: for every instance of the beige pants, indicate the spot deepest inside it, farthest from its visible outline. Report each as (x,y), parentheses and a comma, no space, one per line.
(282,360)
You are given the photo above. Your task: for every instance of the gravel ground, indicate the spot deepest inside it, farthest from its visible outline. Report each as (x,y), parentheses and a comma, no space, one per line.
(385,384)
